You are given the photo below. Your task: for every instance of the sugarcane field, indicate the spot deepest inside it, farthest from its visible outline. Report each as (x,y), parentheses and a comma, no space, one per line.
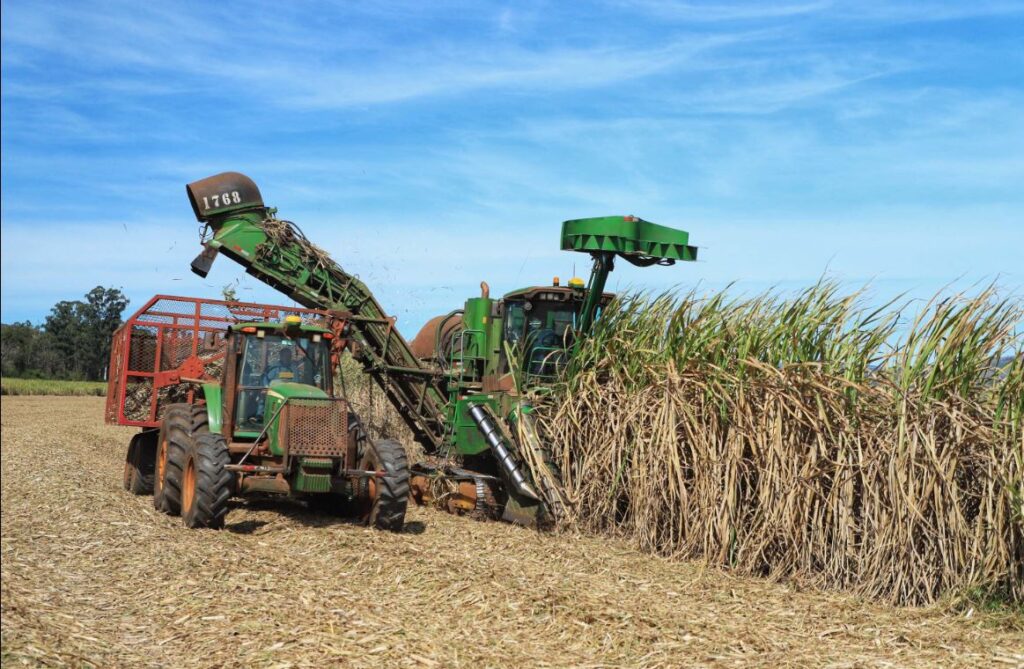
(93,576)
(643,335)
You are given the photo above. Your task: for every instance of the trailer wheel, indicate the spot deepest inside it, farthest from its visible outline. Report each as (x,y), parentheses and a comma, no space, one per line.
(140,463)
(173,444)
(206,482)
(389,494)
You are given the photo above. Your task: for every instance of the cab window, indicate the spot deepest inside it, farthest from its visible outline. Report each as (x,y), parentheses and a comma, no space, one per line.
(540,331)
(273,359)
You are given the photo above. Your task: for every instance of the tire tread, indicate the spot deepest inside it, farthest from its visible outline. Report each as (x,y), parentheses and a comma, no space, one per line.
(214,483)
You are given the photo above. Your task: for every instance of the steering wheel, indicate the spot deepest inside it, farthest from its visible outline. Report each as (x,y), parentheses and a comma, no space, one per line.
(546,338)
(270,374)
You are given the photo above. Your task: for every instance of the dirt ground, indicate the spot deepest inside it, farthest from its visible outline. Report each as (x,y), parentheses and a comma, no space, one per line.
(93,576)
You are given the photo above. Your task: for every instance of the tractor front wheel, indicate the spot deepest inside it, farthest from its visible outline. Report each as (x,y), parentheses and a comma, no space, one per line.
(388,494)
(206,482)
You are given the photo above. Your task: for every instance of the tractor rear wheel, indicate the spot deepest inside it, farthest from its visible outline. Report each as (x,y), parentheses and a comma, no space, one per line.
(389,494)
(206,483)
(173,443)
(140,463)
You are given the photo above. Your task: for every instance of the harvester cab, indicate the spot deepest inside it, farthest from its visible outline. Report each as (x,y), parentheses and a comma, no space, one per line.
(530,332)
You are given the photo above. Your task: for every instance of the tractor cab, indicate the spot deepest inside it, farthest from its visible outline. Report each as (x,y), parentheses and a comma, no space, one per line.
(280,360)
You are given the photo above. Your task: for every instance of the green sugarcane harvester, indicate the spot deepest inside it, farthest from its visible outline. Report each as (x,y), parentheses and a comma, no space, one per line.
(463,385)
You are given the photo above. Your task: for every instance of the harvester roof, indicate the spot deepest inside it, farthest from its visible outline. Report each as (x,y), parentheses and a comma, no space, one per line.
(631,237)
(552,294)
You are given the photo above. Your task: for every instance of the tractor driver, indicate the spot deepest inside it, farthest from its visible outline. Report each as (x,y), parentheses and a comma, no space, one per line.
(284,370)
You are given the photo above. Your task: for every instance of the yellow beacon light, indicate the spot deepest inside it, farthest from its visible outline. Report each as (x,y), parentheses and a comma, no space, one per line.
(575,282)
(293,320)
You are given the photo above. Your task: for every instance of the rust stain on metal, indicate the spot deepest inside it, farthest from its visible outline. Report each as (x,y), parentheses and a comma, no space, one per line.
(493,383)
(419,489)
(464,497)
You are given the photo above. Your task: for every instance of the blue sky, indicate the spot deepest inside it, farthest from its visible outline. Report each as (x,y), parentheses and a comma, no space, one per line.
(429,145)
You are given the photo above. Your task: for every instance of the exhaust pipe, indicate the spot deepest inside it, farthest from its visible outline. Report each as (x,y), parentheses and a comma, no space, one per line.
(478,413)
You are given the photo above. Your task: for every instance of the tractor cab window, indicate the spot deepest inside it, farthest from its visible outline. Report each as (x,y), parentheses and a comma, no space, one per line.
(515,322)
(274,359)
(541,331)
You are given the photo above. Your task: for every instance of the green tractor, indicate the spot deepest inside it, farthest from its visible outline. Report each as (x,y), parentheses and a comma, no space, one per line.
(464,385)
(273,424)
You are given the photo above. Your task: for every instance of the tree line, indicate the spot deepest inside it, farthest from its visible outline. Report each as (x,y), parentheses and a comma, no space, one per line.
(73,342)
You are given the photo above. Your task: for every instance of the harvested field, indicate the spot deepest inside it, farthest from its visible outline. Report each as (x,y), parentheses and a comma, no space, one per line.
(92,576)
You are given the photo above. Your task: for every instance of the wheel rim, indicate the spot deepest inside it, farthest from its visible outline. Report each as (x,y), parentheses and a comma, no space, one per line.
(188,486)
(161,465)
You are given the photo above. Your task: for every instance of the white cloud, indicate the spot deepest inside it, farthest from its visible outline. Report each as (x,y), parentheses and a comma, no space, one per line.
(431,150)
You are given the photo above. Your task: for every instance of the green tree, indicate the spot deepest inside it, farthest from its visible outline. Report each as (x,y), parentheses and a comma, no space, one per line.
(102,311)
(65,329)
(26,352)
(80,332)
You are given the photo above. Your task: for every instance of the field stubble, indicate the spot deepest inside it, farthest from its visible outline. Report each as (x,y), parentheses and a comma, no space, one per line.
(92,576)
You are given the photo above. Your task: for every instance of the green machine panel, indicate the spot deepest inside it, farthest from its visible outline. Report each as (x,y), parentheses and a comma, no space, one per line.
(468,440)
(627,235)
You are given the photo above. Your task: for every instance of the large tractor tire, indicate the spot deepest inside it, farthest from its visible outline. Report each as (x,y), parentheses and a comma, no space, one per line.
(206,483)
(200,419)
(389,494)
(140,463)
(173,445)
